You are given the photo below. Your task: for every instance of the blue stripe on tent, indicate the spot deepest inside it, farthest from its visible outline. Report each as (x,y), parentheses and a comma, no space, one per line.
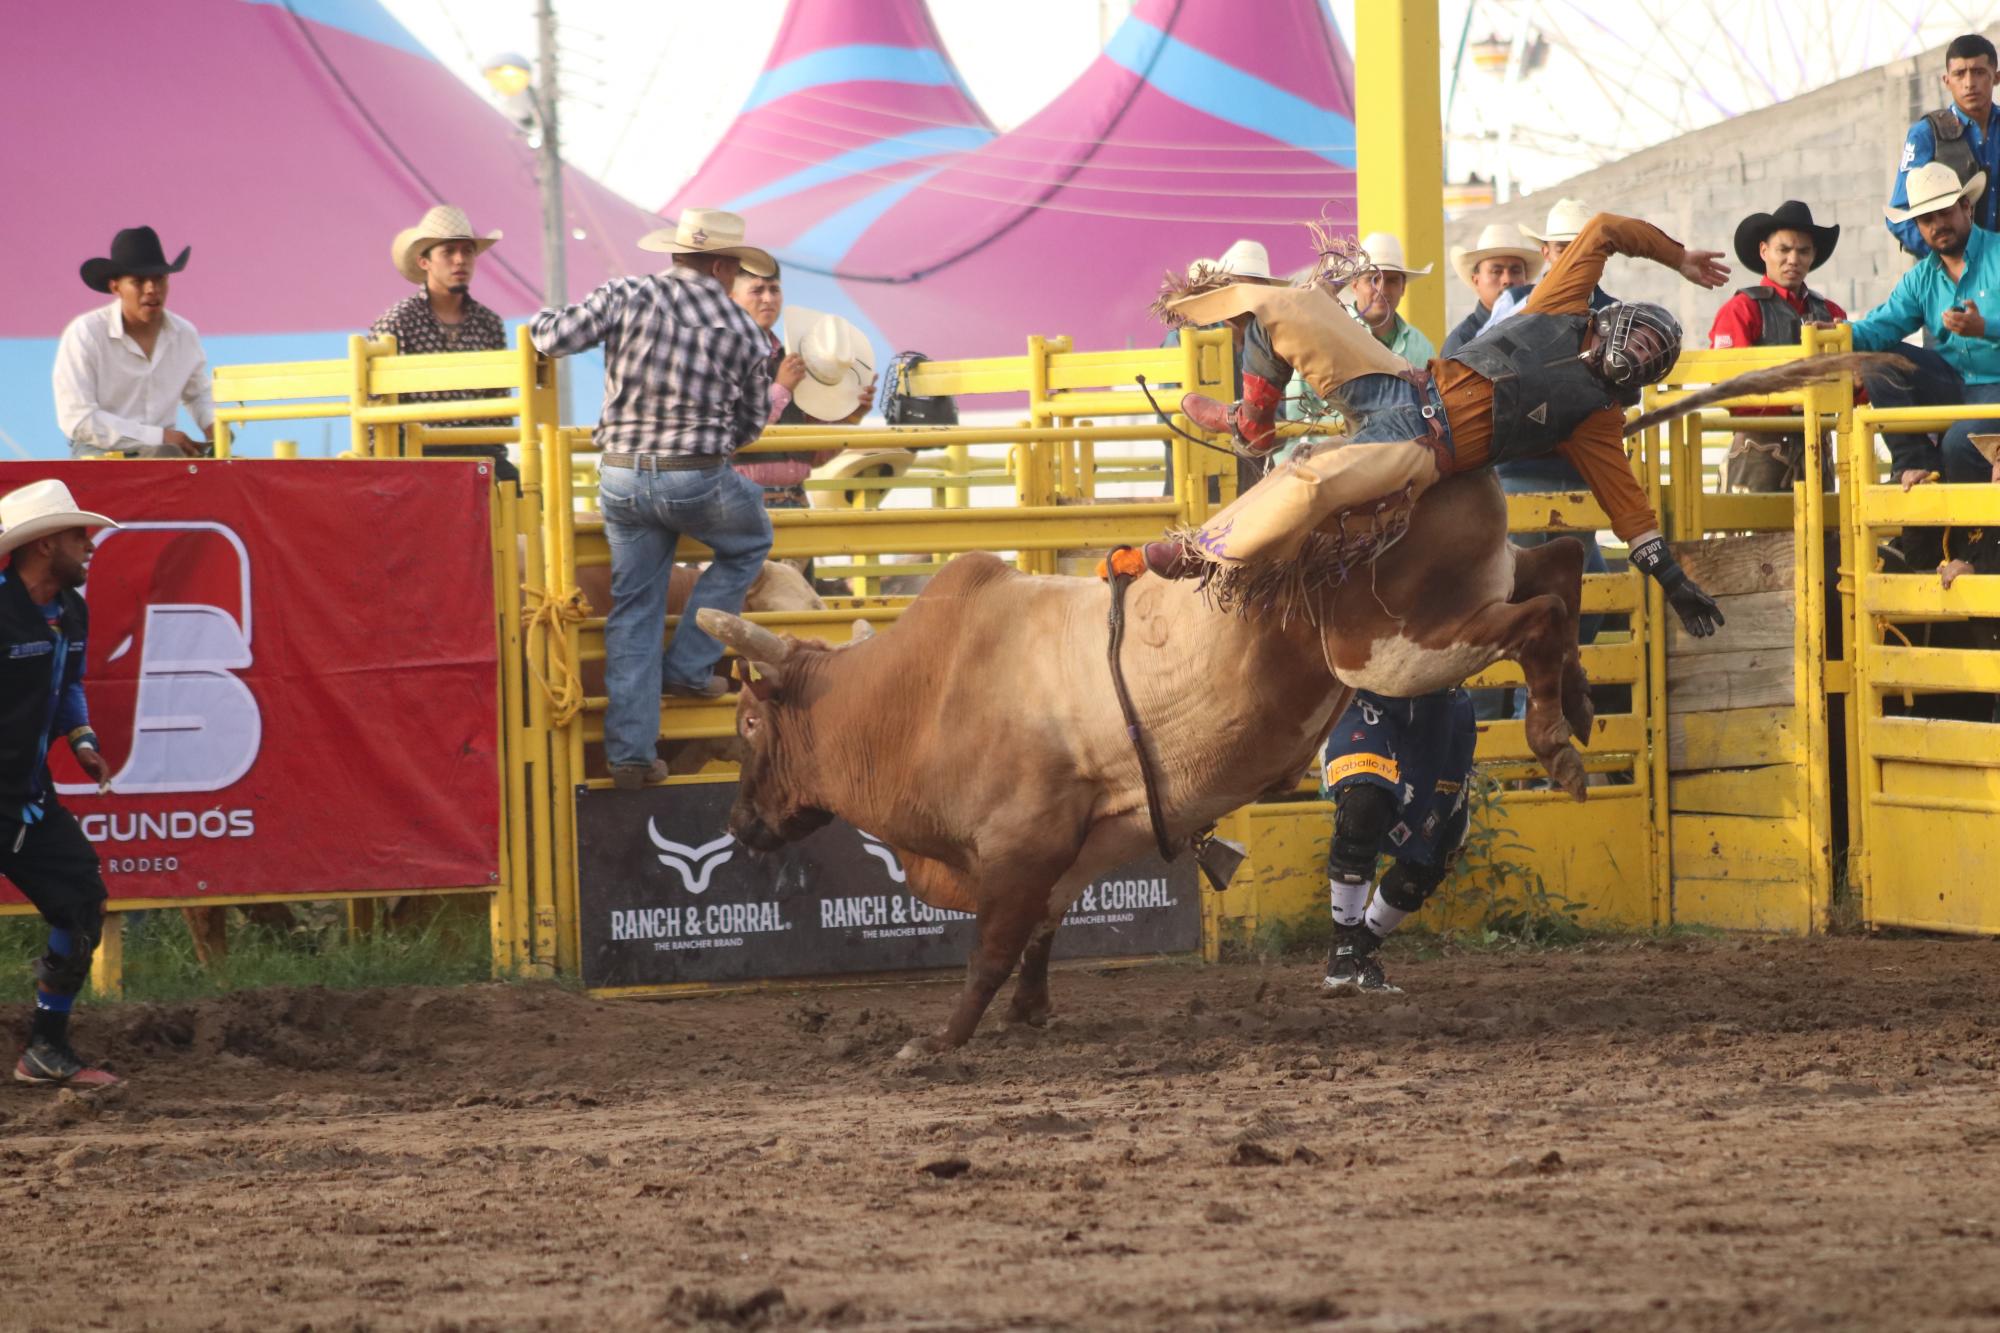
(28,412)
(828,243)
(869,157)
(1216,88)
(362,18)
(920,65)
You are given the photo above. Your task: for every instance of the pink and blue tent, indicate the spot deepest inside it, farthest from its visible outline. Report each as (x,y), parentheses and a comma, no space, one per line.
(1200,123)
(287,141)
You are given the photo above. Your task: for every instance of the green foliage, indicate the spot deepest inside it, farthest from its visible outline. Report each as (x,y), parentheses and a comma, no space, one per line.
(316,949)
(1511,903)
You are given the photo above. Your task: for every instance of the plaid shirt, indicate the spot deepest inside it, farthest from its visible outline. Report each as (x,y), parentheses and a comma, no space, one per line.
(686,370)
(416,329)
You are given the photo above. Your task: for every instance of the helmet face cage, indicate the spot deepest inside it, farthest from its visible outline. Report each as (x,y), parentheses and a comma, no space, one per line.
(1637,343)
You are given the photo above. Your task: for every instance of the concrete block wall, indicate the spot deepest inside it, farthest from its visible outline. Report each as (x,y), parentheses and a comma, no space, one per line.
(1836,148)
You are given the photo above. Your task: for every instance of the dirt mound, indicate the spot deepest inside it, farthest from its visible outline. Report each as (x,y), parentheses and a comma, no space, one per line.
(1655,1135)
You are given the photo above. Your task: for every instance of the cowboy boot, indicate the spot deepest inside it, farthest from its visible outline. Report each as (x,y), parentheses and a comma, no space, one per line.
(1251,419)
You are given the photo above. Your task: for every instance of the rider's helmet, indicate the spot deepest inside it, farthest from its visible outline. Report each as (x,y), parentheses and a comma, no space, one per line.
(1637,344)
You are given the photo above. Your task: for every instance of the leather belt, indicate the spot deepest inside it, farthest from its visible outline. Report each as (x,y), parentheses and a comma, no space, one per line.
(1434,417)
(662,462)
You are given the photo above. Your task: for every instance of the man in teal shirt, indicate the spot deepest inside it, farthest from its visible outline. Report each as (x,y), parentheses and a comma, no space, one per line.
(1947,294)
(1374,297)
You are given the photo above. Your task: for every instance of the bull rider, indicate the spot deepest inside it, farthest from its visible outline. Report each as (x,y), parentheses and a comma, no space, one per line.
(43,628)
(1556,379)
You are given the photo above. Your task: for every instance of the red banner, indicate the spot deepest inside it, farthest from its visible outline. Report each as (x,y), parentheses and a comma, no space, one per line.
(293,671)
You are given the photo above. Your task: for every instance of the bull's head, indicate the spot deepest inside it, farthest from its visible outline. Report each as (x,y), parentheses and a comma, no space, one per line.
(772,806)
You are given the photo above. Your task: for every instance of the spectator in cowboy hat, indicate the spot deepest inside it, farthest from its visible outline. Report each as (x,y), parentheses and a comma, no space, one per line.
(1565,221)
(1784,246)
(1946,294)
(1501,258)
(1374,297)
(439,256)
(687,382)
(44,626)
(123,371)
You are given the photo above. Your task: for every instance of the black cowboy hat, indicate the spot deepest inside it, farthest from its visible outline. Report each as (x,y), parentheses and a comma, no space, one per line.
(135,253)
(1791,216)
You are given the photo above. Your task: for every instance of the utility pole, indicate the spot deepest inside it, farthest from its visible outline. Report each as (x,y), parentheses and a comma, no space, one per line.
(548,167)
(555,283)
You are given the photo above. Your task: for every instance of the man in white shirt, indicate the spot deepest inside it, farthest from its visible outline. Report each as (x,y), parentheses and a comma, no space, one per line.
(123,371)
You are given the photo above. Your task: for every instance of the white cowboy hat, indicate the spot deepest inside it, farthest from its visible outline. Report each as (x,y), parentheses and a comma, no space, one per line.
(1565,222)
(710,231)
(40,508)
(839,362)
(443,223)
(1496,240)
(1385,252)
(856,463)
(1934,186)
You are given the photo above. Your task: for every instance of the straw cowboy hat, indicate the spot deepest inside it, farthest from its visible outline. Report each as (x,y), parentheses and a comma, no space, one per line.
(1790,216)
(1566,220)
(839,362)
(1934,186)
(1385,253)
(135,253)
(443,223)
(1497,240)
(856,463)
(710,231)
(40,508)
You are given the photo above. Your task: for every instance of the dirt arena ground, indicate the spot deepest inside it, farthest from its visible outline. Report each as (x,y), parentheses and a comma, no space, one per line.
(1659,1135)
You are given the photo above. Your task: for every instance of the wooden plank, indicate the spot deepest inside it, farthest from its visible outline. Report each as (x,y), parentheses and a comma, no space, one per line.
(1759,678)
(1750,620)
(1738,847)
(1727,565)
(1732,738)
(1770,792)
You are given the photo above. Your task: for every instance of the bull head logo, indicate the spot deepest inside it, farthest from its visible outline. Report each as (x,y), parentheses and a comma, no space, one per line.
(882,852)
(695,865)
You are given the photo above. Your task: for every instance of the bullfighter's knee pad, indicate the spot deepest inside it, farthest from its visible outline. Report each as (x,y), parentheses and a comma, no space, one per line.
(65,973)
(1407,887)
(1362,814)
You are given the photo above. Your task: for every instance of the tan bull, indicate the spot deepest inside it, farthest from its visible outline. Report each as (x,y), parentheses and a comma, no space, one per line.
(982,740)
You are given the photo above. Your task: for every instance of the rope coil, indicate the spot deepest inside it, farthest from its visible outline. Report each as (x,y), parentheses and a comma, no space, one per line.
(548,614)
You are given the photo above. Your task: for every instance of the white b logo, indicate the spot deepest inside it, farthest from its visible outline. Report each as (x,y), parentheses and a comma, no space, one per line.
(195,724)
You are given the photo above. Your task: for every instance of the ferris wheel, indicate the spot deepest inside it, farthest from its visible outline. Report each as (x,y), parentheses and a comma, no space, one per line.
(1539,90)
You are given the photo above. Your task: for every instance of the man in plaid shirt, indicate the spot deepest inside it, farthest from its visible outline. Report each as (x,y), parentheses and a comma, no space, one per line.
(687,383)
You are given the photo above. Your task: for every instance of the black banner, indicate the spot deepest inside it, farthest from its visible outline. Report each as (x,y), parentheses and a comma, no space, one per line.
(666,895)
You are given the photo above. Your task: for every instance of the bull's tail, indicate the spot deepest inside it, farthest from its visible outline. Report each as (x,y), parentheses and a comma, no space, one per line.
(1778,379)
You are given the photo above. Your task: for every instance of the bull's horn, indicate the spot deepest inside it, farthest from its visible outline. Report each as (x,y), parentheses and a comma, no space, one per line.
(751,641)
(862,630)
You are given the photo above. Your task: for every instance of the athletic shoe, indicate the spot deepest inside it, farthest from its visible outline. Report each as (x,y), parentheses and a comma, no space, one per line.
(47,1063)
(1352,966)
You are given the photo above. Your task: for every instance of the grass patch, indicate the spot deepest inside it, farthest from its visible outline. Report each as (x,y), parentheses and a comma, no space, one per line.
(316,950)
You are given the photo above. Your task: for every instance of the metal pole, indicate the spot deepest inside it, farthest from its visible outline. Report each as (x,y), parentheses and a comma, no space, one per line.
(1400,139)
(548,168)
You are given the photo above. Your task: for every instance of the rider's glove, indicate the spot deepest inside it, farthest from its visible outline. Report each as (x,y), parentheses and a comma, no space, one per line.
(1698,612)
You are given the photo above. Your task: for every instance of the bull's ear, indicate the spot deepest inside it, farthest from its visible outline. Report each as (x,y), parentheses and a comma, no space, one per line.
(862,630)
(764,685)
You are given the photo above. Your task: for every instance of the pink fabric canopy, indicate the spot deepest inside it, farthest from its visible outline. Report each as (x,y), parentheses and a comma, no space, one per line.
(1201,123)
(287,143)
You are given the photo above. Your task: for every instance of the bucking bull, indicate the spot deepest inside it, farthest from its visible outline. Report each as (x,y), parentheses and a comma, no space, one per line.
(982,739)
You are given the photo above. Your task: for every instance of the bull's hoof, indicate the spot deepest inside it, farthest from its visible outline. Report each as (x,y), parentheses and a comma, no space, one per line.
(1565,768)
(1034,1015)
(922,1048)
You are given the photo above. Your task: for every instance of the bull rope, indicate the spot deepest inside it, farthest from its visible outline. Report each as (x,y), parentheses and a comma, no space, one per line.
(548,615)
(1119,574)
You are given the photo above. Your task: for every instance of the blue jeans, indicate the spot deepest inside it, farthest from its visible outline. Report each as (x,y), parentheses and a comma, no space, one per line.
(1936,383)
(1532,476)
(645,515)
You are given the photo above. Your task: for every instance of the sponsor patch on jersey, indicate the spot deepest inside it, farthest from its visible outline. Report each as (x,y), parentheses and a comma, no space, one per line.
(1722,340)
(1399,834)
(32,648)
(1431,824)
(1348,765)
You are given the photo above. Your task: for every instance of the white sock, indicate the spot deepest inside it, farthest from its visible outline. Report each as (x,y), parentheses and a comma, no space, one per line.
(1350,897)
(1383,918)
